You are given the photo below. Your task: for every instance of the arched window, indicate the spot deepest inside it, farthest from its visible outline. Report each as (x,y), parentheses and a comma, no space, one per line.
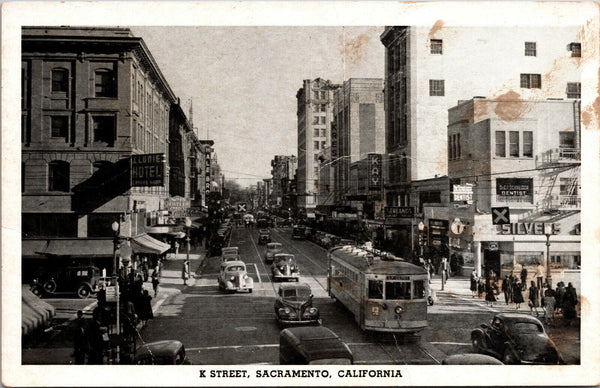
(59,176)
(105,83)
(60,80)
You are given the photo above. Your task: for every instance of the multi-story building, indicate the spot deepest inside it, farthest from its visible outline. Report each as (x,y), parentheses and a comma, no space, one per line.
(93,103)
(514,169)
(283,170)
(314,131)
(429,68)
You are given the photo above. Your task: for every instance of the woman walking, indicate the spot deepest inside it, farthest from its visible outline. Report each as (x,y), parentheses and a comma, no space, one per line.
(473,283)
(489,292)
(517,294)
(533,299)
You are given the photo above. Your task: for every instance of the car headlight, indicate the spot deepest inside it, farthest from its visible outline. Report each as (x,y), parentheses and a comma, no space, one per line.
(398,310)
(245,276)
(310,312)
(232,278)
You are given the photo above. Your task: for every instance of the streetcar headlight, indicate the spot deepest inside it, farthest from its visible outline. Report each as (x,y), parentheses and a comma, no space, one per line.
(398,310)
(232,278)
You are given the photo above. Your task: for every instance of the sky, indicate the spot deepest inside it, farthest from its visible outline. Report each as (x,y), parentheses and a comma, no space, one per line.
(243,82)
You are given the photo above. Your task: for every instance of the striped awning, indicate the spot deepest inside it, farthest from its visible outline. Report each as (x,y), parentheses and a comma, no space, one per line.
(34,312)
(148,244)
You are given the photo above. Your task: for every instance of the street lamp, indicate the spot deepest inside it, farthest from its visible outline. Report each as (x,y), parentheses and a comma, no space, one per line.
(548,233)
(421,227)
(115,227)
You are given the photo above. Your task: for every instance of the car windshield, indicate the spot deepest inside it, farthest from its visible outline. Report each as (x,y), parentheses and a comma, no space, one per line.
(524,328)
(273,246)
(300,293)
(284,259)
(235,268)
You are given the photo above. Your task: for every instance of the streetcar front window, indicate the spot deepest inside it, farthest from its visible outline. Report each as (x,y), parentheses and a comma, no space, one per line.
(397,290)
(419,289)
(375,289)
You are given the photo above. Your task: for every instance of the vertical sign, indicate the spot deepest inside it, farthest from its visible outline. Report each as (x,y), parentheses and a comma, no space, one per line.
(207,173)
(374,166)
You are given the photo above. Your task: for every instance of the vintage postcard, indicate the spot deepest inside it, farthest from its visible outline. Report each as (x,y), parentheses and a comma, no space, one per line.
(300,193)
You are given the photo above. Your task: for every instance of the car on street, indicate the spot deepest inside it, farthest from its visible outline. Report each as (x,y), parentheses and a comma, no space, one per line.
(471,359)
(82,281)
(298,232)
(515,338)
(293,305)
(284,267)
(230,254)
(312,345)
(272,249)
(168,352)
(264,236)
(234,277)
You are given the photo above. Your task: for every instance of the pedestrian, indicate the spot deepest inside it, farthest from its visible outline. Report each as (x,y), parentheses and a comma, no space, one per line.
(444,267)
(185,272)
(480,287)
(569,302)
(176,247)
(534,298)
(489,291)
(80,339)
(506,286)
(145,308)
(549,302)
(517,294)
(145,269)
(473,283)
(155,281)
(524,278)
(560,294)
(539,274)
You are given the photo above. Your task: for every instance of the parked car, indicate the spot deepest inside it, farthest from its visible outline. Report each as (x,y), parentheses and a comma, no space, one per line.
(515,339)
(298,232)
(168,352)
(312,345)
(233,277)
(264,236)
(471,359)
(272,249)
(284,267)
(82,281)
(293,305)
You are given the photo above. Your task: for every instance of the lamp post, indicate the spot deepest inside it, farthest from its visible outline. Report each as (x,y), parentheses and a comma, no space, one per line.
(115,227)
(548,233)
(421,227)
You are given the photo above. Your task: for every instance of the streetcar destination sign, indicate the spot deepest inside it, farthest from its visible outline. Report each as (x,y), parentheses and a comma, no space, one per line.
(147,170)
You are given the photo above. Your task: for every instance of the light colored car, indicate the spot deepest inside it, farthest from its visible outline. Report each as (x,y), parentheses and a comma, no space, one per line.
(272,249)
(284,267)
(226,250)
(234,277)
(293,305)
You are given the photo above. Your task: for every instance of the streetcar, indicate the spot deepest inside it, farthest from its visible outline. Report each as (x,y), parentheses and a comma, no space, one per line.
(384,293)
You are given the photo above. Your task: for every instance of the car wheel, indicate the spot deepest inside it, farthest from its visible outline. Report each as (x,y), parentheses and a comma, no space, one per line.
(509,358)
(477,343)
(50,286)
(84,291)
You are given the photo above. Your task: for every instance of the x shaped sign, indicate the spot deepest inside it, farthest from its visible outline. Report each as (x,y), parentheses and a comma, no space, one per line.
(500,215)
(241,207)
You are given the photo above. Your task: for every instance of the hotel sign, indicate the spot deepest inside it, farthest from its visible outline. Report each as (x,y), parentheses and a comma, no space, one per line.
(148,170)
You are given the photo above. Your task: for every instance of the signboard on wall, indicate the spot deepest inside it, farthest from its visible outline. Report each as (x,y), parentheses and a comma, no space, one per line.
(374,171)
(148,170)
(399,211)
(207,173)
(514,187)
(463,193)
(438,232)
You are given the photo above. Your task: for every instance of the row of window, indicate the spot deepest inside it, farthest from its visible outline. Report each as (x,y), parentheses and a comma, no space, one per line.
(396,290)
(436,47)
(322,95)
(103,129)
(319,120)
(320,132)
(454,146)
(322,144)
(520,144)
(527,81)
(105,82)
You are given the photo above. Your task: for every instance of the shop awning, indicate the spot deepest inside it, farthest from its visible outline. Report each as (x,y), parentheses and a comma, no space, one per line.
(34,312)
(148,244)
(81,247)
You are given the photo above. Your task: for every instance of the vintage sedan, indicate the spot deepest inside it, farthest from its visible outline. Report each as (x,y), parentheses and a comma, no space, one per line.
(168,352)
(515,339)
(272,250)
(284,267)
(293,306)
(264,236)
(229,250)
(312,345)
(298,232)
(233,277)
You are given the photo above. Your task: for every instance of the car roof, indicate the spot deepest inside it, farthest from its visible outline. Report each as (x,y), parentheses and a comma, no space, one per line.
(274,245)
(289,286)
(234,263)
(158,349)
(263,231)
(517,317)
(229,249)
(471,359)
(317,342)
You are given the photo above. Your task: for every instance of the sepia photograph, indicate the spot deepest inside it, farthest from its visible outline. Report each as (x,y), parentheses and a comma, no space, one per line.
(300,193)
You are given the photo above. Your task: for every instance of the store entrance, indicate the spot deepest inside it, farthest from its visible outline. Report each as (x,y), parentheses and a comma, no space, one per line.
(491,262)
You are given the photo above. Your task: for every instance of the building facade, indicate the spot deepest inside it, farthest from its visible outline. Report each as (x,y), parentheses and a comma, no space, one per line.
(429,68)
(314,133)
(283,168)
(529,163)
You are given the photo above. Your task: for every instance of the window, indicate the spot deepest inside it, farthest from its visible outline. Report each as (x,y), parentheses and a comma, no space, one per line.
(566,139)
(50,225)
(436,87)
(58,176)
(575,49)
(419,289)
(323,132)
(500,144)
(323,95)
(104,130)
(573,89)
(317,158)
(530,49)
(528,144)
(375,289)
(59,126)
(531,81)
(105,83)
(323,144)
(323,118)
(450,156)
(458,153)
(316,146)
(316,132)
(397,290)
(315,120)
(323,107)
(513,146)
(436,46)
(568,186)
(316,92)
(60,80)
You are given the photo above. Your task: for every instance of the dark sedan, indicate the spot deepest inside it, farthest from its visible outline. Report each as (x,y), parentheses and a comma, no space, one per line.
(293,305)
(515,339)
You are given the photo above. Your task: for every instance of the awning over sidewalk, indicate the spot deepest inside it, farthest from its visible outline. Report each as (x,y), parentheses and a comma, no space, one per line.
(34,312)
(81,247)
(148,244)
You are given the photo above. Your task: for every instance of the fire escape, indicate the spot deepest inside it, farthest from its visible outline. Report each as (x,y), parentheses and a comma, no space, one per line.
(560,165)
